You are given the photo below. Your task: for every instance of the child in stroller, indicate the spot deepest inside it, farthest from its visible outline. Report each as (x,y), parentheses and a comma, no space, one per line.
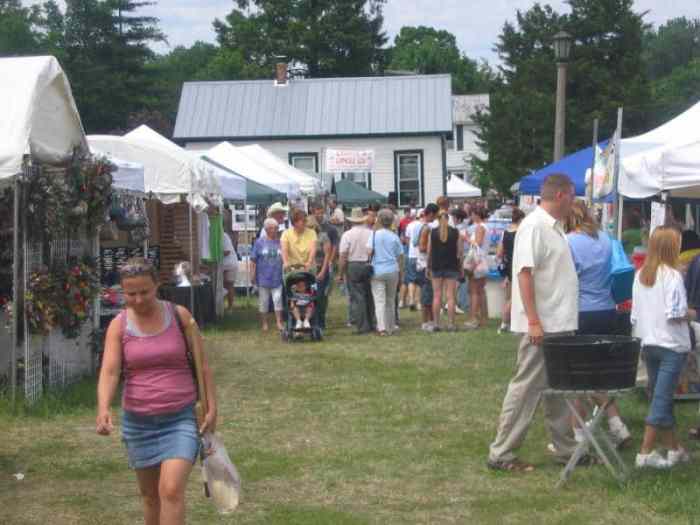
(300,290)
(301,301)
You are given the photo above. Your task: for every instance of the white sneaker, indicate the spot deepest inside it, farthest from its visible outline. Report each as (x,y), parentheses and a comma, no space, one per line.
(306,324)
(620,433)
(401,305)
(427,327)
(653,460)
(503,329)
(678,456)
(299,325)
(458,310)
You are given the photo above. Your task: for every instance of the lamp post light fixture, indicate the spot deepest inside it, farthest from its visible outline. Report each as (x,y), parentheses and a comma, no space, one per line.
(562,48)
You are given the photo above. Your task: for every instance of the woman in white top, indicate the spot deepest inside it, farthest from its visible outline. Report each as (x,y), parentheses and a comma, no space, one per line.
(660,319)
(477,286)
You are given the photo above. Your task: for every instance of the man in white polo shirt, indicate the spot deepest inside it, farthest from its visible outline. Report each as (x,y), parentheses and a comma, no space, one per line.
(545,301)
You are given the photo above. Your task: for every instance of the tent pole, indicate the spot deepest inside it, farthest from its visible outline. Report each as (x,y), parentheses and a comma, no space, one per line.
(589,184)
(250,249)
(616,175)
(189,205)
(15,289)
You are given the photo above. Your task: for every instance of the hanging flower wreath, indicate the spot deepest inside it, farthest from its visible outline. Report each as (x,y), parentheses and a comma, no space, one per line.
(61,202)
(79,287)
(61,297)
(40,302)
(89,193)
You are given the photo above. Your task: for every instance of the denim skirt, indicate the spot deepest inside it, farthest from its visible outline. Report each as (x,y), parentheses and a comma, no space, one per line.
(150,440)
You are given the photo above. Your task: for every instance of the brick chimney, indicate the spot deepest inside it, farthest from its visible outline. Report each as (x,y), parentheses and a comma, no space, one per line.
(281,73)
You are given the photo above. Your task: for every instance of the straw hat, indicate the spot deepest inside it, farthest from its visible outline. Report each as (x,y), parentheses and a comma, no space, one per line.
(357,216)
(276,207)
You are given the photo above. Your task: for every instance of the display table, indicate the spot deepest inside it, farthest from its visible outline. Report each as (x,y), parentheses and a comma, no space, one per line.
(204,307)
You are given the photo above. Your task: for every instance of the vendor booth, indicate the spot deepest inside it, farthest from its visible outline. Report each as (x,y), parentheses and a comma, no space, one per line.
(184,187)
(54,199)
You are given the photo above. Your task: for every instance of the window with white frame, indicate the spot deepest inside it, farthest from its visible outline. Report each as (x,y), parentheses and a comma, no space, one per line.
(307,162)
(363,178)
(409,177)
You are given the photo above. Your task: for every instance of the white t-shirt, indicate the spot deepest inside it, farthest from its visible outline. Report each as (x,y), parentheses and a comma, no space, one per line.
(653,307)
(230,261)
(541,245)
(412,231)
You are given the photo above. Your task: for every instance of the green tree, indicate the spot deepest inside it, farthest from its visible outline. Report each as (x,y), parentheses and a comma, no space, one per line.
(103,46)
(426,50)
(320,37)
(675,44)
(17,32)
(606,71)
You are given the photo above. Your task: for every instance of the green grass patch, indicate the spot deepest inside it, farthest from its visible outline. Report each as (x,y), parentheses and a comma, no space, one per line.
(352,430)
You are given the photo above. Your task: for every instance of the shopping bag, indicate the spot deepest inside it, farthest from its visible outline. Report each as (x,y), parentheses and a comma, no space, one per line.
(221,479)
(621,273)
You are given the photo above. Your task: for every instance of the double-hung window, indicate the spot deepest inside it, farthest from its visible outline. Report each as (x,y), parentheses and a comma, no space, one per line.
(409,177)
(307,162)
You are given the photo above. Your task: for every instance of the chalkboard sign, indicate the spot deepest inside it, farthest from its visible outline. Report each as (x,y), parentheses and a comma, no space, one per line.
(111,259)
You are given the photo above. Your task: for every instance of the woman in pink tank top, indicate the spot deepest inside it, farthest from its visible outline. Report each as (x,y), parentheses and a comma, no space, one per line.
(146,344)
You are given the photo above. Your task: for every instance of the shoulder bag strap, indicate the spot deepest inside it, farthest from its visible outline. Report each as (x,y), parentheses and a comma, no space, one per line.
(188,350)
(372,258)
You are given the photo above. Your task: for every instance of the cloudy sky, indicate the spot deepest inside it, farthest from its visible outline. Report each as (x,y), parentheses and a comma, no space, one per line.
(476,23)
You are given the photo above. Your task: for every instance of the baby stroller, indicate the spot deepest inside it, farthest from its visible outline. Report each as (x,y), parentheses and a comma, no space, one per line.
(292,329)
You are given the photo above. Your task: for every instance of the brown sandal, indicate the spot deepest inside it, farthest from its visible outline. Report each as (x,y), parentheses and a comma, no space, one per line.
(511,466)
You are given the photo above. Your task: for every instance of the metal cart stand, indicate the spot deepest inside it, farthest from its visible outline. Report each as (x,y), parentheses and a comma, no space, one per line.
(606,450)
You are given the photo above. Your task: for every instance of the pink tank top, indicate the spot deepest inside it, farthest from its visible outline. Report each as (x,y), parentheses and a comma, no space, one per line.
(157,375)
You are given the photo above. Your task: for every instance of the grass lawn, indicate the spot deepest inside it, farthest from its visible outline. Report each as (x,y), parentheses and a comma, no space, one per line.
(354,430)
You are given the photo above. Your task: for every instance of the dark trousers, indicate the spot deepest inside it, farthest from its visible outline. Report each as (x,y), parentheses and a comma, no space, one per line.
(322,300)
(361,301)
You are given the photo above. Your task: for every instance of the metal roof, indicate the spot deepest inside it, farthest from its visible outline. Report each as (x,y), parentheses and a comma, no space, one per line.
(320,107)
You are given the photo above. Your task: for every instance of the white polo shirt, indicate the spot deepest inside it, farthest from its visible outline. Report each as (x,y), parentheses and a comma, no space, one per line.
(542,246)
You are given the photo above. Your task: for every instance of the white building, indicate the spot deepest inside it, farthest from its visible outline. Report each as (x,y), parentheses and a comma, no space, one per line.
(401,124)
(463,143)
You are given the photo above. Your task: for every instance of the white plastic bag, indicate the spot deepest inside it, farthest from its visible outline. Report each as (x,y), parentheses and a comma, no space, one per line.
(220,475)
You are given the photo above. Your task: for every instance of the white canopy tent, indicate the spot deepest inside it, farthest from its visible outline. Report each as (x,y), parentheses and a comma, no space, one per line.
(664,159)
(308,184)
(127,175)
(38,114)
(233,187)
(168,173)
(233,158)
(460,189)
(39,122)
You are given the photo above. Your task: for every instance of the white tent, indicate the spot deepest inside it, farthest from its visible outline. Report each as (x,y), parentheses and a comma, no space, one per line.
(38,115)
(233,158)
(665,159)
(308,184)
(460,189)
(169,171)
(233,187)
(127,175)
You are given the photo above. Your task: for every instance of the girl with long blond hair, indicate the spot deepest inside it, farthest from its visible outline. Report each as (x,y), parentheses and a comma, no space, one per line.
(659,317)
(444,266)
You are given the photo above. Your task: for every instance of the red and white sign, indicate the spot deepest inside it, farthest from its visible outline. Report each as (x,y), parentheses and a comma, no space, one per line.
(349,160)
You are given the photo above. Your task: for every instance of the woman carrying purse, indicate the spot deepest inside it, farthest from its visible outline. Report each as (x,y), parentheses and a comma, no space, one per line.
(159,428)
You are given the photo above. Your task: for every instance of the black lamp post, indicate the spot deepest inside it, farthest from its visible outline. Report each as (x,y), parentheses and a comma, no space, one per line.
(562,49)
